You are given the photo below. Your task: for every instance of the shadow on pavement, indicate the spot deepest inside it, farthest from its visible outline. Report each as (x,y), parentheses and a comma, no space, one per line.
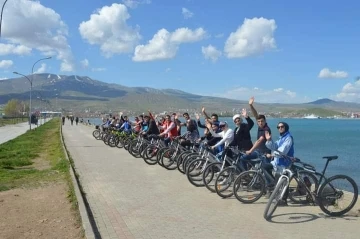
(293,218)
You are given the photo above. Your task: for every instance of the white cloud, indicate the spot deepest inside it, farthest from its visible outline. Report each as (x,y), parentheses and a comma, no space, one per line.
(220,35)
(3,78)
(277,95)
(187,13)
(349,92)
(186,35)
(164,45)
(135,3)
(29,25)
(5,64)
(98,69)
(8,49)
(41,69)
(85,63)
(108,28)
(253,37)
(210,52)
(327,73)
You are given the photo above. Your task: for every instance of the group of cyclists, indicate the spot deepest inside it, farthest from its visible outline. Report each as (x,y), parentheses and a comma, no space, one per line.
(218,136)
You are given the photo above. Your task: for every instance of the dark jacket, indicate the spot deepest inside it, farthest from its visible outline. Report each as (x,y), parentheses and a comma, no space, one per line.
(242,137)
(152,129)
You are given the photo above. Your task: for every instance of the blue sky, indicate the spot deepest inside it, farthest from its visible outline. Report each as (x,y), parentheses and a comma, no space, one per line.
(277,51)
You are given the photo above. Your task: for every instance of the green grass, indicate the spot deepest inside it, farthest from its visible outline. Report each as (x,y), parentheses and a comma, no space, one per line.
(4,122)
(17,157)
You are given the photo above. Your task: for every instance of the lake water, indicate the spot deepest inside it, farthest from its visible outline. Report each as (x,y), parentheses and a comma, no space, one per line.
(315,138)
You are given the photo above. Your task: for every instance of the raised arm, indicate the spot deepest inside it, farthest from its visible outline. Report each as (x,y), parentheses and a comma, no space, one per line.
(203,111)
(253,110)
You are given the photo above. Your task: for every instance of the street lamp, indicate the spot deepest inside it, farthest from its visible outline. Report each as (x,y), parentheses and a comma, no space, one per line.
(17,73)
(32,69)
(2,10)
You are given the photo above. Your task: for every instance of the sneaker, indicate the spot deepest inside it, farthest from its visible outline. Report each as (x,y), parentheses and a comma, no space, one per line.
(282,203)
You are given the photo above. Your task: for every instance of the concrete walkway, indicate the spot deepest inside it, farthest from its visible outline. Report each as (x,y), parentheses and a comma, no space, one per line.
(9,132)
(130,199)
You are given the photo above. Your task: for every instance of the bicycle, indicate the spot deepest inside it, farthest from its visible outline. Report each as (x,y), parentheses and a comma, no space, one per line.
(326,195)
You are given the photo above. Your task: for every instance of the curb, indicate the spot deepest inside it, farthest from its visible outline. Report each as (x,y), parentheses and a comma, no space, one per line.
(85,219)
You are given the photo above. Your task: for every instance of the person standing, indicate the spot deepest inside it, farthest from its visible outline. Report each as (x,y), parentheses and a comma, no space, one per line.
(77,120)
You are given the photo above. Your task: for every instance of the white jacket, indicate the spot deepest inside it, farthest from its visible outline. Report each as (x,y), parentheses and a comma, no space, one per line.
(227,136)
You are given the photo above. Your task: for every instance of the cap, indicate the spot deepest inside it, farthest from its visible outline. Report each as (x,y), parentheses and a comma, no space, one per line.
(236,116)
(223,123)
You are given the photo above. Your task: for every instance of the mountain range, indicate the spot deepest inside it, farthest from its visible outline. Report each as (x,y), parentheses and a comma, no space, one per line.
(76,93)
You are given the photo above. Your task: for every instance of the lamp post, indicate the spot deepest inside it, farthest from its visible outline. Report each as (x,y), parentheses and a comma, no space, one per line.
(2,10)
(32,69)
(17,73)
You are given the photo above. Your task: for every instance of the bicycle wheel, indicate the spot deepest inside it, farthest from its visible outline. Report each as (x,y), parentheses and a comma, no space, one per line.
(249,186)
(180,159)
(186,157)
(224,182)
(330,194)
(134,149)
(195,170)
(150,154)
(96,134)
(275,198)
(159,155)
(209,175)
(111,141)
(301,186)
(168,159)
(120,142)
(127,143)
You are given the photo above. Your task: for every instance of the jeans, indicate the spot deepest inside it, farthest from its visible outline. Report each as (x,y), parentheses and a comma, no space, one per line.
(167,141)
(248,157)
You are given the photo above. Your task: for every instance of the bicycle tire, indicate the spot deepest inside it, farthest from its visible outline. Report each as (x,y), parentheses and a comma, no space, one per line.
(274,199)
(303,189)
(195,178)
(323,201)
(210,170)
(149,159)
(220,188)
(248,176)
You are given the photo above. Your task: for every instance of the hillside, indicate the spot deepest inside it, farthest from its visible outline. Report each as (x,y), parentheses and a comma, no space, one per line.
(78,93)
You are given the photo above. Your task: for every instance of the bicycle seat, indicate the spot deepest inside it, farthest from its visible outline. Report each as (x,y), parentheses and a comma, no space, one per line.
(330,157)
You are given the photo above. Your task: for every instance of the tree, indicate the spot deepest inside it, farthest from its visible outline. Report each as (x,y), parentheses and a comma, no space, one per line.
(15,108)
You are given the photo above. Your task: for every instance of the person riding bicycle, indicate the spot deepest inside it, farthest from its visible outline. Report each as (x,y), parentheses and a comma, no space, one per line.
(152,129)
(126,125)
(170,130)
(258,149)
(242,137)
(285,145)
(227,136)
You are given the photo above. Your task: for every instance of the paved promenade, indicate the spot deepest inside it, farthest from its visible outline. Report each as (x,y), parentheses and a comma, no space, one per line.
(9,132)
(130,199)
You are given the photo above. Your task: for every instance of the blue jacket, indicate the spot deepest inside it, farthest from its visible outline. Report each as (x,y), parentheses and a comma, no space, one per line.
(284,144)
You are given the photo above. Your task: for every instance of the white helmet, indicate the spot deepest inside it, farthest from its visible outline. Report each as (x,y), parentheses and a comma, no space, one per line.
(236,116)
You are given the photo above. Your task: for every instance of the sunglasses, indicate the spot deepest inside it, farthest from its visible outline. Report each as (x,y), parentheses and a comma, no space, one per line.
(280,127)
